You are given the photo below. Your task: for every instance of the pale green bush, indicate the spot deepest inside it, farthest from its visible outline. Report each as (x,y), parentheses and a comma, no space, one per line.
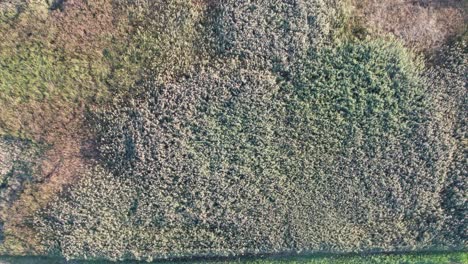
(163,40)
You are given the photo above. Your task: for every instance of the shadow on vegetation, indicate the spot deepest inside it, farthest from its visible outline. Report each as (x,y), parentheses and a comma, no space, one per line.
(323,257)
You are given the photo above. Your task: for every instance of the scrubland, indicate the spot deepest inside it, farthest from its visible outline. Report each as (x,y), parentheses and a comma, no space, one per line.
(143,130)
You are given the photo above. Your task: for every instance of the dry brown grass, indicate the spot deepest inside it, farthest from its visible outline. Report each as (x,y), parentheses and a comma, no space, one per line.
(85,27)
(421,24)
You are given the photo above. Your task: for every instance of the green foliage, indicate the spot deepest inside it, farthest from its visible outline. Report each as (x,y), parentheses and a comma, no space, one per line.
(411,258)
(34,72)
(434,258)
(58,61)
(261,33)
(113,198)
(9,10)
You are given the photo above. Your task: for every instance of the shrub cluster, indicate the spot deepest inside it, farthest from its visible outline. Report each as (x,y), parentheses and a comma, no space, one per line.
(38,71)
(82,50)
(18,160)
(263,33)
(447,84)
(164,39)
(338,157)
(55,59)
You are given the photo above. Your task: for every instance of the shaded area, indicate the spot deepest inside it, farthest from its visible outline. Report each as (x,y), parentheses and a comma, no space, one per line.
(426,257)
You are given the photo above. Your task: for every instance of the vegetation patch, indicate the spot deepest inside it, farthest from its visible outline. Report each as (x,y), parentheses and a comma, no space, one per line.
(149,130)
(19,166)
(448,88)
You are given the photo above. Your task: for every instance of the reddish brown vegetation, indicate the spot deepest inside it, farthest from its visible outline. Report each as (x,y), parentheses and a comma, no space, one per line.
(60,166)
(421,24)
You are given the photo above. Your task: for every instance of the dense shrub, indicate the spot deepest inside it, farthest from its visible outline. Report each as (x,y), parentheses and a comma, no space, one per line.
(38,71)
(72,54)
(359,119)
(57,166)
(42,86)
(8,11)
(84,28)
(265,32)
(155,156)
(448,81)
(234,127)
(337,157)
(18,160)
(80,51)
